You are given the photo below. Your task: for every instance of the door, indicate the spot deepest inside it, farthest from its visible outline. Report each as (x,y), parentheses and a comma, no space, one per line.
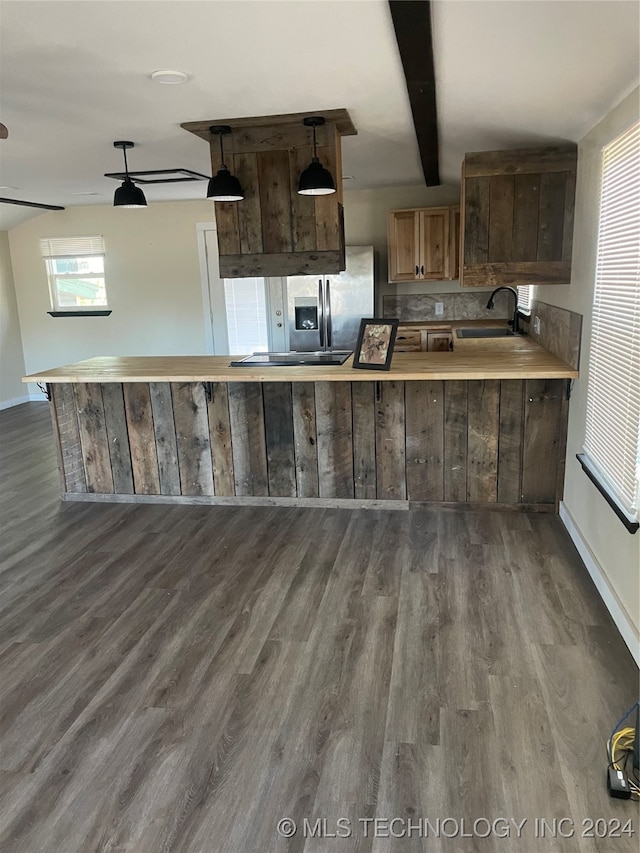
(242,315)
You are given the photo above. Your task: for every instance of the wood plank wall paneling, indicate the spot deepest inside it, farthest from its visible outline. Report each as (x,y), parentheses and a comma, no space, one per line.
(425,440)
(192,438)
(278,427)
(456,427)
(221,442)
(364,439)
(482,448)
(303,218)
(66,415)
(246,417)
(118,437)
(93,437)
(543,416)
(481,442)
(305,441)
(334,439)
(510,443)
(246,166)
(165,432)
(390,442)
(142,444)
(275,194)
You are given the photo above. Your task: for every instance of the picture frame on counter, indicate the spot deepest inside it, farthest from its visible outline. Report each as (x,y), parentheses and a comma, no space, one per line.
(376,340)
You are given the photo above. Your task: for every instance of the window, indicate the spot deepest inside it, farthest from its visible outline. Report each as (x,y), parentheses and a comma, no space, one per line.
(75,269)
(246,308)
(612,435)
(525,295)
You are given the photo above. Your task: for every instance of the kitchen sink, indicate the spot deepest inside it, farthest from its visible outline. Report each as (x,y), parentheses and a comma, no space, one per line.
(480,332)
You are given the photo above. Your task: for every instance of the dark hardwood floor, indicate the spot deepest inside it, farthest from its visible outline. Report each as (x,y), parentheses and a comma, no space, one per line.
(182,678)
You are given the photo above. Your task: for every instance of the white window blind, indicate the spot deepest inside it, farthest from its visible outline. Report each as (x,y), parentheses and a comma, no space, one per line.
(525,296)
(246,306)
(612,435)
(71,247)
(75,271)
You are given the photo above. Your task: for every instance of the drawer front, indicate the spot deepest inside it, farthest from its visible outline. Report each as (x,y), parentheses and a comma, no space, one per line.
(408,340)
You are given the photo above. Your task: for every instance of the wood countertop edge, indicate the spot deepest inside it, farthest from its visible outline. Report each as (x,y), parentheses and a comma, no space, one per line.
(532,363)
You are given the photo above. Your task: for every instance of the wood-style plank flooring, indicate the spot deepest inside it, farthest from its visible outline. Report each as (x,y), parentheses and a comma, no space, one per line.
(182,678)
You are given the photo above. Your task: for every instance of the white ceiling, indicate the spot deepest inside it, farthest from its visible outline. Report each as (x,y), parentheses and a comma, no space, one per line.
(74,76)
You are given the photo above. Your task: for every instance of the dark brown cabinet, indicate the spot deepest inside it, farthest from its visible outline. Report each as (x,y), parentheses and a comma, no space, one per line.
(518,211)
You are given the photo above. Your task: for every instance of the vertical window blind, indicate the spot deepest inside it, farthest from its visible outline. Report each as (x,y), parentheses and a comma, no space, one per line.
(612,434)
(524,298)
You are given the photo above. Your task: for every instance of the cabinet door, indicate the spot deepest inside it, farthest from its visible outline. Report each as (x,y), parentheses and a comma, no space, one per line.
(439,341)
(454,243)
(403,245)
(434,243)
(518,216)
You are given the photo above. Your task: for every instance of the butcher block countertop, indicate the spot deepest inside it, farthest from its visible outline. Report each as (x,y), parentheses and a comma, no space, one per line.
(495,358)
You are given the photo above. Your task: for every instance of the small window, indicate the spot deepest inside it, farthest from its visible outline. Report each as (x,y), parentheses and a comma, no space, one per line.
(612,434)
(246,306)
(525,295)
(75,269)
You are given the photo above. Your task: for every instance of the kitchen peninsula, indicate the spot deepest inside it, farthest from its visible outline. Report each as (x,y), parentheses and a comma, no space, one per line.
(482,425)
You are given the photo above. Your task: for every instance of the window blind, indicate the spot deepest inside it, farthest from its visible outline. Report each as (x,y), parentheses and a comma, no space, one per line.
(612,434)
(71,247)
(524,298)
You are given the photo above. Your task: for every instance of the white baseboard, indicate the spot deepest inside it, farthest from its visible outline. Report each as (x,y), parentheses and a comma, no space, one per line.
(621,618)
(18,401)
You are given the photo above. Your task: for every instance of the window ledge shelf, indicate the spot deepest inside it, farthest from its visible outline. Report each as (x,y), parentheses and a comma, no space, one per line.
(104,313)
(632,526)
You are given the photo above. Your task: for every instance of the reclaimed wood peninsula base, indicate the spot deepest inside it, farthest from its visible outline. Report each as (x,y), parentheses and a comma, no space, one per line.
(370,440)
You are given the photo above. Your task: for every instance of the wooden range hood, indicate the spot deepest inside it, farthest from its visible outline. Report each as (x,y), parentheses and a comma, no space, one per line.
(275,231)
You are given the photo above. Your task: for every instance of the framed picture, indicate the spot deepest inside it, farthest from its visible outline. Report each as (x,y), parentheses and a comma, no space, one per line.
(376,339)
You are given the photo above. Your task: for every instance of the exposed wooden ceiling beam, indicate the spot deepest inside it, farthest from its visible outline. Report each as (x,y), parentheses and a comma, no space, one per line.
(412,23)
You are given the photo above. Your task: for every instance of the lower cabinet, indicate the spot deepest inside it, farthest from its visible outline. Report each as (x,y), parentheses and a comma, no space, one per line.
(423,339)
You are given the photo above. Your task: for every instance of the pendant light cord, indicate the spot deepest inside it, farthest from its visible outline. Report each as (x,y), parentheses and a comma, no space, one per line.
(315,153)
(222,166)
(126,167)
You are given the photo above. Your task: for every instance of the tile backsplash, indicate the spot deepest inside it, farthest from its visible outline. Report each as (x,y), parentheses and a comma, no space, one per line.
(456,306)
(560,331)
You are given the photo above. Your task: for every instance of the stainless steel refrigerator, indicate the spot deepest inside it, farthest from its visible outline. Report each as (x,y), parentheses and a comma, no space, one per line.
(324,312)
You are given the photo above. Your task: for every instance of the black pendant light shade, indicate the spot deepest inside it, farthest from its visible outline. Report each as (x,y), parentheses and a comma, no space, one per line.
(223,186)
(315,180)
(128,194)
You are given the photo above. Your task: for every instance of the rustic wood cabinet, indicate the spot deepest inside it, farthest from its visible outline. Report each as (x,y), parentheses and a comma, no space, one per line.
(518,211)
(420,244)
(421,338)
(274,231)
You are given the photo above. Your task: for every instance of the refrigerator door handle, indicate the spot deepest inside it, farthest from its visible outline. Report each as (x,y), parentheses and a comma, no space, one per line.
(321,313)
(329,329)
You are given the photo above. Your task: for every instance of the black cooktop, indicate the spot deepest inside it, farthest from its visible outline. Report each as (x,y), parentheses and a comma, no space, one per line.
(292,359)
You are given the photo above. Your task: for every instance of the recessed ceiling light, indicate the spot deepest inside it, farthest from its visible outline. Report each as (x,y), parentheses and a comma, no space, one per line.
(166,75)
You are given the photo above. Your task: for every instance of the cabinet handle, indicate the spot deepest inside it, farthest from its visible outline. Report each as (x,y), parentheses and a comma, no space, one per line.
(417,269)
(422,269)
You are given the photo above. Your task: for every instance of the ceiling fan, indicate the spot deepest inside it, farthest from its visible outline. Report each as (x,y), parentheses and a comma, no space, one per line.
(4,133)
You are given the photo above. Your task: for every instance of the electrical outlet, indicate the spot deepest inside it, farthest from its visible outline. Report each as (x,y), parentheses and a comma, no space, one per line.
(536,325)
(439,309)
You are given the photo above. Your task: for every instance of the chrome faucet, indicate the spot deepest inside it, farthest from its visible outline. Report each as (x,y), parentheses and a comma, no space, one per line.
(514,322)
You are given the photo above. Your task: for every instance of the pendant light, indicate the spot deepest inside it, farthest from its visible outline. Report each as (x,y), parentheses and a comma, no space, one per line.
(223,186)
(315,180)
(128,194)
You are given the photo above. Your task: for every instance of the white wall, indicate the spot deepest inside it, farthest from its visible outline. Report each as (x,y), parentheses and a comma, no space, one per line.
(616,551)
(12,390)
(153,284)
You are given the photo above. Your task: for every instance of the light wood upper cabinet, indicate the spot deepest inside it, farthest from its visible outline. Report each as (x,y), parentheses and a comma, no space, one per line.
(421,244)
(518,216)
